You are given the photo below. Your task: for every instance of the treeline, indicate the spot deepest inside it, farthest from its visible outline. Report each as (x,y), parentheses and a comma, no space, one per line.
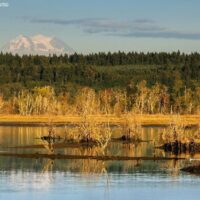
(86,101)
(178,75)
(104,59)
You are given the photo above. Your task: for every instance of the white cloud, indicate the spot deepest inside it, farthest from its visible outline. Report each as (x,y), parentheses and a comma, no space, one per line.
(4,4)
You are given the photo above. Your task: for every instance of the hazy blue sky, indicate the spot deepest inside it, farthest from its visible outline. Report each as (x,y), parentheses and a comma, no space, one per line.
(106,25)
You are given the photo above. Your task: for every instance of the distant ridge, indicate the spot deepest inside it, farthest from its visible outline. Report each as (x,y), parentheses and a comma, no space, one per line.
(37,45)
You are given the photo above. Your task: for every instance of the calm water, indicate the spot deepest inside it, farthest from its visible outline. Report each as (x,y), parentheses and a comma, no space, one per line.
(22,178)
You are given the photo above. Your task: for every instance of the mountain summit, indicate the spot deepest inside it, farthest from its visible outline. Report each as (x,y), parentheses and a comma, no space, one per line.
(37,45)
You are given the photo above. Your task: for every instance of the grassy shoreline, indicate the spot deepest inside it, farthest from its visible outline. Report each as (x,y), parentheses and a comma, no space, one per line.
(115,120)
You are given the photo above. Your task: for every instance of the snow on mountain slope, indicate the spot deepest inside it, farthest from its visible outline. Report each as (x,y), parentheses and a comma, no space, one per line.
(39,44)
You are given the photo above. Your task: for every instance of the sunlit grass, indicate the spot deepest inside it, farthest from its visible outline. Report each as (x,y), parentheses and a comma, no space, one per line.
(61,119)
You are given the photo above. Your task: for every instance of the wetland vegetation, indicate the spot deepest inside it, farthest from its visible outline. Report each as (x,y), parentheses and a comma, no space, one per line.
(91,96)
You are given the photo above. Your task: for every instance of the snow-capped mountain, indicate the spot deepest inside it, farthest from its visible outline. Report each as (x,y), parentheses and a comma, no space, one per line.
(39,44)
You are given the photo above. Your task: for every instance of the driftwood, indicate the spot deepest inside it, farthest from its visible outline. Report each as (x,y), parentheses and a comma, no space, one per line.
(55,146)
(82,157)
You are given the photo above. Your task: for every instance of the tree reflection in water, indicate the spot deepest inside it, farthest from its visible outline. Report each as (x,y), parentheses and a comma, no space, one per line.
(48,165)
(24,139)
(49,145)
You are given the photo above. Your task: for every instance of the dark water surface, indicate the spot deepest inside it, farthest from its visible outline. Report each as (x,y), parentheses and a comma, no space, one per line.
(22,178)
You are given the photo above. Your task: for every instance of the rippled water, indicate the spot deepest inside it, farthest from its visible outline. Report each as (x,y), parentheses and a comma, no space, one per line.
(22,178)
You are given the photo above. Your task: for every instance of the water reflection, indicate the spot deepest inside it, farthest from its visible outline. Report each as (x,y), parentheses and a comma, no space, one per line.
(92,179)
(29,137)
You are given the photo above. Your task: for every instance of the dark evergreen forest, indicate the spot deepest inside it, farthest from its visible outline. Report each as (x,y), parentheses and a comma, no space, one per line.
(112,70)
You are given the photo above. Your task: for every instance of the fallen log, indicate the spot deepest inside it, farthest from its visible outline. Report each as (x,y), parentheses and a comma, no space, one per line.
(83,157)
